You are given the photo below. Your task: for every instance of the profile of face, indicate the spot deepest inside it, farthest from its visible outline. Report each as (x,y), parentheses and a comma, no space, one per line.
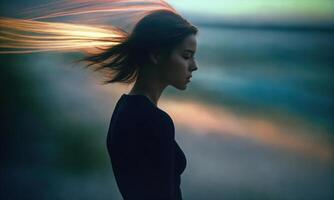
(176,69)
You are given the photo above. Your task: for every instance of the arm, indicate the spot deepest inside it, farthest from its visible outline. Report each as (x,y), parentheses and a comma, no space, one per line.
(155,163)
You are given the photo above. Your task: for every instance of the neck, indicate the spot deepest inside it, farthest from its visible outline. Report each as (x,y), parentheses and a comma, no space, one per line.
(149,84)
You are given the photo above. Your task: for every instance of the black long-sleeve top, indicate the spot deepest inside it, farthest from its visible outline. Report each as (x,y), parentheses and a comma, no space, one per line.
(147,161)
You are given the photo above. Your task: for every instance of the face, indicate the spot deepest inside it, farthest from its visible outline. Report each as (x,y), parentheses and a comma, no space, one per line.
(178,67)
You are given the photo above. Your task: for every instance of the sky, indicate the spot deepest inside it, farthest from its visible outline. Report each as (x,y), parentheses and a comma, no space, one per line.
(297,10)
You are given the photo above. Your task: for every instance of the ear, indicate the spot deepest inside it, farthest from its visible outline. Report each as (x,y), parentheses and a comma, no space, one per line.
(154,58)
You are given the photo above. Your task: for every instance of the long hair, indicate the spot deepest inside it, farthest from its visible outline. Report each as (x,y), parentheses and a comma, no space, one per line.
(158,32)
(116,36)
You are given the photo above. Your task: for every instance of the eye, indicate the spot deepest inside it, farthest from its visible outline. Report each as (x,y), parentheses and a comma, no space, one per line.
(187,57)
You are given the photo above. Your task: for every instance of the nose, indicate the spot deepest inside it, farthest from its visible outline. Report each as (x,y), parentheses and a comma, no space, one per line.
(193,66)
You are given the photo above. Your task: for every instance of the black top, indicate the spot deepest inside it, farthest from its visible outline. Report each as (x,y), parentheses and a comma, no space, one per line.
(146,160)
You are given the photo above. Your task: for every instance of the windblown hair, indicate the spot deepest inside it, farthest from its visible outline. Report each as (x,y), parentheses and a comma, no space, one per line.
(111,49)
(158,32)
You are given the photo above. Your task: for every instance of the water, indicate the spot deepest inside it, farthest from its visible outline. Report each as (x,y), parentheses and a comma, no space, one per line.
(254,70)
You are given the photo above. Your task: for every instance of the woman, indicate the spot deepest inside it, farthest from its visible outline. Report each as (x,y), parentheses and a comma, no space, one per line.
(146,160)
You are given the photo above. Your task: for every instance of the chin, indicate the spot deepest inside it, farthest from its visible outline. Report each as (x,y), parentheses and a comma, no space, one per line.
(181,87)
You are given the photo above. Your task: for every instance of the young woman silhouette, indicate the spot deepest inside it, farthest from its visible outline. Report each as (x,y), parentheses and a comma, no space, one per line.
(146,160)
(159,51)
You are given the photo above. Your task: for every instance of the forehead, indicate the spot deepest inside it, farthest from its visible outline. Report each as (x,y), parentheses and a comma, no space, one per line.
(189,43)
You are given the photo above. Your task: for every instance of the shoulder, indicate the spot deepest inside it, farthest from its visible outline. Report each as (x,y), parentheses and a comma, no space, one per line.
(138,113)
(134,108)
(163,122)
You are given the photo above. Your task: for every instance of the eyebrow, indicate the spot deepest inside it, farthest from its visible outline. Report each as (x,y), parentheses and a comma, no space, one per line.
(188,50)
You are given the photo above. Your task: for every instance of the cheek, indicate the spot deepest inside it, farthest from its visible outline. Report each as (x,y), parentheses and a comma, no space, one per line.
(178,66)
(175,70)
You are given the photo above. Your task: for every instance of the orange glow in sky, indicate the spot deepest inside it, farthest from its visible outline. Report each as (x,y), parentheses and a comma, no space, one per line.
(208,119)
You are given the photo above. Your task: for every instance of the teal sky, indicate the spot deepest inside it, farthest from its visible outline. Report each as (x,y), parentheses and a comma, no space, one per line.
(315,10)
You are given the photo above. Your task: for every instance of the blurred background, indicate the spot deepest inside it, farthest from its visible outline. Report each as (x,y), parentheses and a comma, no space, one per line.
(256,122)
